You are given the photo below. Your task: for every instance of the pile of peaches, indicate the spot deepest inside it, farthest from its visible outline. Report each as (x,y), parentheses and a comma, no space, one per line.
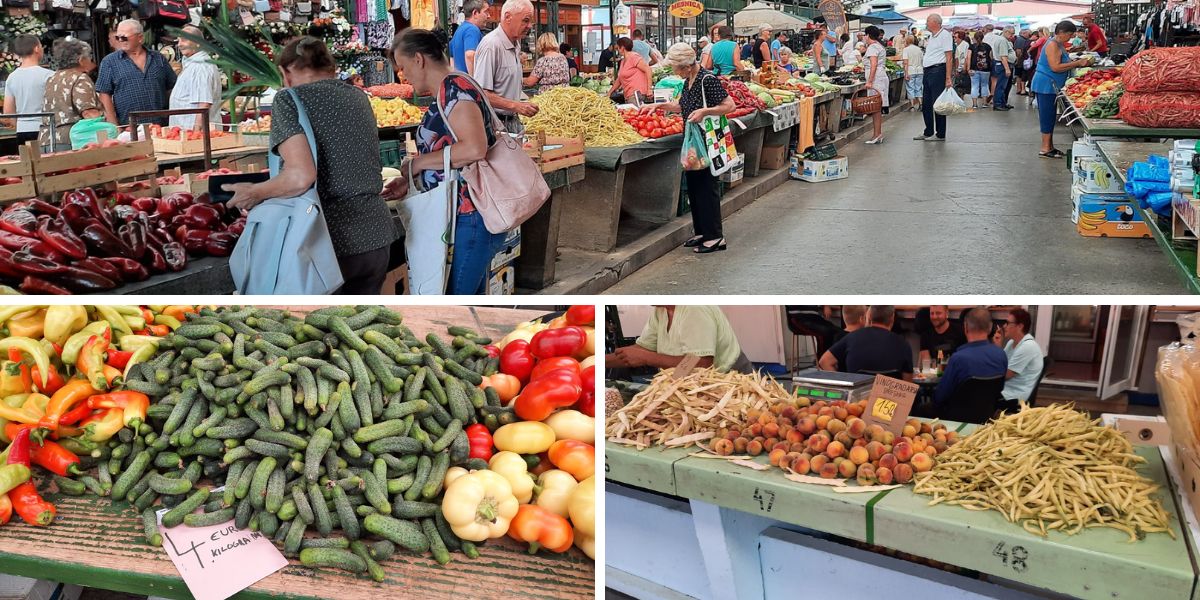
(832,441)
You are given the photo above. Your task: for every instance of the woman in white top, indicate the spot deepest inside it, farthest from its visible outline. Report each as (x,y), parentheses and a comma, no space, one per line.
(875,67)
(913,59)
(850,54)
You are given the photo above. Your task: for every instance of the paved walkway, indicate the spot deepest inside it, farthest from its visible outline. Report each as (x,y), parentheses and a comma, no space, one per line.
(978,214)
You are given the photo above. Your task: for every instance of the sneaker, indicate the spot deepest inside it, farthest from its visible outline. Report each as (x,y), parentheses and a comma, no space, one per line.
(937,139)
(923,138)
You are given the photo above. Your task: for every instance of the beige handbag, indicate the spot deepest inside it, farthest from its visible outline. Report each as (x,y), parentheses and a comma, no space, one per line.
(506,186)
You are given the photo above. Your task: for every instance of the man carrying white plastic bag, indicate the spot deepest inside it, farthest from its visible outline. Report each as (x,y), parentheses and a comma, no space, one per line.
(950,103)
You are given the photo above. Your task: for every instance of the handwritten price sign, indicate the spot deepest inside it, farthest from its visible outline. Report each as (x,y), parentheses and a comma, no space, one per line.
(884,409)
(891,401)
(219,561)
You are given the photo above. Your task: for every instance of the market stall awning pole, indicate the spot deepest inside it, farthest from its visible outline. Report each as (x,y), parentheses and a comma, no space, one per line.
(663,15)
(552,18)
(202,112)
(40,115)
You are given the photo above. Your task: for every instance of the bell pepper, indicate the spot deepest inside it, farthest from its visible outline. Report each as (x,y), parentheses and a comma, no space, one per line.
(25,499)
(541,528)
(587,398)
(100,427)
(90,363)
(133,404)
(19,221)
(56,459)
(31,348)
(5,509)
(70,394)
(15,377)
(572,425)
(36,403)
(493,351)
(541,397)
(543,464)
(54,381)
(581,508)
(480,440)
(452,475)
(516,360)
(574,457)
(31,324)
(37,285)
(525,437)
(9,312)
(581,315)
(479,505)
(516,471)
(74,344)
(179,312)
(554,364)
(19,414)
(62,320)
(556,489)
(56,234)
(564,341)
(507,387)
(525,331)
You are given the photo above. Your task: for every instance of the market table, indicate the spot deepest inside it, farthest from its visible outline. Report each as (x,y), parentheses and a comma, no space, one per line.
(730,505)
(539,234)
(1120,155)
(1116,128)
(97,544)
(166,160)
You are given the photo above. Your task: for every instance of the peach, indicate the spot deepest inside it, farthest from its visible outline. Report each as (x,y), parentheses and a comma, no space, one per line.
(769,443)
(861,442)
(835,449)
(819,404)
(876,432)
(785,423)
(817,444)
(788,458)
(915,422)
(903,451)
(836,426)
(939,427)
(918,445)
(793,436)
(803,402)
(941,446)
(753,414)
(754,448)
(771,430)
(922,462)
(866,475)
(856,409)
(931,451)
(951,437)
(909,431)
(889,438)
(825,411)
(928,437)
(888,461)
(844,438)
(782,445)
(823,421)
(818,461)
(829,471)
(925,428)
(798,447)
(847,469)
(777,408)
(739,445)
(859,455)
(841,413)
(875,450)
(884,476)
(776,456)
(801,465)
(806,426)
(788,412)
(903,473)
(723,447)
(856,428)
(734,434)
(754,429)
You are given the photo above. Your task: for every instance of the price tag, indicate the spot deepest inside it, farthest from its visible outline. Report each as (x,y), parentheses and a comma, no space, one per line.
(685,366)
(890,402)
(219,561)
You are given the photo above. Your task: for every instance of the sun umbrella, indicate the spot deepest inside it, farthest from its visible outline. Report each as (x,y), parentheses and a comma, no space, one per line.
(748,20)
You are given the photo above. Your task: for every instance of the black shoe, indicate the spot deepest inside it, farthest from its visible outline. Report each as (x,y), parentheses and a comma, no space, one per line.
(693,242)
(704,248)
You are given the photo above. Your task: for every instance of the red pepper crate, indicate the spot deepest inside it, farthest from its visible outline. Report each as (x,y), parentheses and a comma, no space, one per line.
(110,162)
(16,178)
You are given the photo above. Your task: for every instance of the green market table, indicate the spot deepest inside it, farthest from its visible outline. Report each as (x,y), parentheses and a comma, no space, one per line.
(729,507)
(97,544)
(1116,128)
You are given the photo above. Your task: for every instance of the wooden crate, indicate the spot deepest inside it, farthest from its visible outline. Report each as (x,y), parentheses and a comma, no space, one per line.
(103,165)
(554,153)
(166,146)
(21,168)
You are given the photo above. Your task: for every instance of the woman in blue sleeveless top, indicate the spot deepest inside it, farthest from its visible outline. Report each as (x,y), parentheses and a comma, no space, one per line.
(1053,68)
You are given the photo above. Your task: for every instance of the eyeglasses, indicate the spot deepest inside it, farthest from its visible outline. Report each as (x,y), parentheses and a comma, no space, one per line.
(122,38)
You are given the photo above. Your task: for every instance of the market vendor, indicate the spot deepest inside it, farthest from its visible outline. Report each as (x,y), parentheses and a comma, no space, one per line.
(133,78)
(632,84)
(674,332)
(198,86)
(498,64)
(873,349)
(979,357)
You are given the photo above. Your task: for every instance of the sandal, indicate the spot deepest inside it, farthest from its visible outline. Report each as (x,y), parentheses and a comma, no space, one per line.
(704,248)
(1055,153)
(694,241)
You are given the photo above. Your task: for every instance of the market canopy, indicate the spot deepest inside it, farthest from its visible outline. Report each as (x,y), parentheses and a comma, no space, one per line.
(749,19)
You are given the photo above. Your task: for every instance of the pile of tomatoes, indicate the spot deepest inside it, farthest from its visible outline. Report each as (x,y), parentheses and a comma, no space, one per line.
(653,125)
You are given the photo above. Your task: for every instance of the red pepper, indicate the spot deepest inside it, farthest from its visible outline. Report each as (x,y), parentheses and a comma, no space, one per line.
(587,399)
(19,221)
(516,360)
(575,457)
(56,459)
(75,415)
(564,341)
(54,381)
(5,509)
(37,285)
(30,506)
(583,314)
(31,264)
(481,441)
(554,364)
(155,260)
(61,238)
(493,351)
(42,207)
(131,270)
(175,255)
(541,397)
(19,449)
(541,528)
(133,404)
(103,267)
(118,358)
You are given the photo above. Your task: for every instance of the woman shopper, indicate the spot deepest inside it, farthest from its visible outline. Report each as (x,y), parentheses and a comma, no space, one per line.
(634,77)
(1053,68)
(785,60)
(980,63)
(700,88)
(849,52)
(552,69)
(347,169)
(914,71)
(877,76)
(70,91)
(420,55)
(719,56)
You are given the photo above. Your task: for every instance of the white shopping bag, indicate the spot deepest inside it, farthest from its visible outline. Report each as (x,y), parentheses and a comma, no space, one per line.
(428,219)
(949,103)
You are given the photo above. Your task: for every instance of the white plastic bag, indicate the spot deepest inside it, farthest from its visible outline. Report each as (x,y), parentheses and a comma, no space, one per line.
(949,103)
(428,219)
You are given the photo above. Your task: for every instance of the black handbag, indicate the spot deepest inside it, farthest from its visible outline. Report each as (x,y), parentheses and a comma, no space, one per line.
(173,12)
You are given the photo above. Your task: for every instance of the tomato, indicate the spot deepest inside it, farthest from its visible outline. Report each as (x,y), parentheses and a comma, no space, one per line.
(506,386)
(644,132)
(554,364)
(657,132)
(581,314)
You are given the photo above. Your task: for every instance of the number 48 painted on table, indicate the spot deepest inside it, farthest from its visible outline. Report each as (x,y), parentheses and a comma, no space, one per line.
(1015,557)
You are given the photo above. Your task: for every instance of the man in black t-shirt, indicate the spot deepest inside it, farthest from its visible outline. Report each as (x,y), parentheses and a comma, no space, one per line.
(872,349)
(944,335)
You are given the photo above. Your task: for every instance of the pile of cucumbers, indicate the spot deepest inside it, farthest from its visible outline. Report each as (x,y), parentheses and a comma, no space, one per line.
(341,422)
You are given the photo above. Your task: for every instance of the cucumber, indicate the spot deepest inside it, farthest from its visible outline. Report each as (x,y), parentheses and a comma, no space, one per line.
(326,542)
(332,557)
(395,445)
(295,535)
(377,362)
(209,518)
(376,492)
(268,448)
(347,409)
(150,527)
(439,346)
(400,485)
(360,550)
(386,345)
(131,475)
(268,523)
(168,460)
(345,333)
(321,514)
(320,442)
(384,429)
(70,487)
(289,440)
(346,516)
(437,473)
(304,509)
(310,349)
(447,437)
(460,407)
(243,513)
(404,509)
(198,331)
(258,485)
(463,373)
(169,486)
(238,428)
(351,449)
(434,383)
(275,484)
(436,546)
(453,543)
(424,466)
(175,516)
(405,534)
(212,420)
(209,447)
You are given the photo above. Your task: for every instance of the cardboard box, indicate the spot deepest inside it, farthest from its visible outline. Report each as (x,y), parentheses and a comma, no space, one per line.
(13,587)
(816,171)
(1110,219)
(735,173)
(772,158)
(1079,196)
(1094,177)
(503,281)
(1083,148)
(509,253)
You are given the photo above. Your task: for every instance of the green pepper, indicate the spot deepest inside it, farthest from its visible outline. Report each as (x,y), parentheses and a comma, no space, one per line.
(132,343)
(120,327)
(75,343)
(140,355)
(31,348)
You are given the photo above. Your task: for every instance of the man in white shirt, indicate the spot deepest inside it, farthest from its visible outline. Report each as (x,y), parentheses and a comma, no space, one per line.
(498,64)
(939,55)
(26,86)
(1024,357)
(899,40)
(1002,71)
(198,85)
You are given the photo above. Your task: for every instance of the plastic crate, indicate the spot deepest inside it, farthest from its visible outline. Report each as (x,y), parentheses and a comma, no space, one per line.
(391,153)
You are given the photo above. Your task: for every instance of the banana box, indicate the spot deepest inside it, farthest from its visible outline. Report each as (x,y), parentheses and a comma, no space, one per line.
(1110,219)
(1094,177)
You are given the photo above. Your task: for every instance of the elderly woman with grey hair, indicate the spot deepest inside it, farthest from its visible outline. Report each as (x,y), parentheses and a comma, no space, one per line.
(702,96)
(70,92)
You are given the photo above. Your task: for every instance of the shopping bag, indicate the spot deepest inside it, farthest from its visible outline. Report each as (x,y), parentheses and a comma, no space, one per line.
(949,103)
(428,218)
(87,132)
(718,140)
(694,155)
(286,247)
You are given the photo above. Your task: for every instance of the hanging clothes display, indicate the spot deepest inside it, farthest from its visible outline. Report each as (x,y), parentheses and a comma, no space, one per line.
(424,15)
(380,34)
(405,9)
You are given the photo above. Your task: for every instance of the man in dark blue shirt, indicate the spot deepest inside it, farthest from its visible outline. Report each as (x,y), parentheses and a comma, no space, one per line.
(979,357)
(133,78)
(872,349)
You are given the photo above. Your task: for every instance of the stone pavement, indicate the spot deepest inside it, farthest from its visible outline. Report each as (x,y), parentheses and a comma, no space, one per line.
(980,213)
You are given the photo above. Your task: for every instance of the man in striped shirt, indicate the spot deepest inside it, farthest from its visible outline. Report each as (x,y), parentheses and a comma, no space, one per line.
(198,86)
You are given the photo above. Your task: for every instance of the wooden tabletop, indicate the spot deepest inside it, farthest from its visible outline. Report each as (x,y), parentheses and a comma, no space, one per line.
(98,544)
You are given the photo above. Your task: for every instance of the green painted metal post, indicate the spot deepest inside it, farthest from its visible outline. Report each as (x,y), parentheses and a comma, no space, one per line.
(552,18)
(663,15)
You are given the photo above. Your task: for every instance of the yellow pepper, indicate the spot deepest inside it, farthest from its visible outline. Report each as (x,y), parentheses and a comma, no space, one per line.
(101,427)
(572,425)
(556,490)
(479,506)
(14,379)
(36,403)
(516,471)
(582,511)
(70,352)
(452,474)
(31,324)
(525,437)
(62,320)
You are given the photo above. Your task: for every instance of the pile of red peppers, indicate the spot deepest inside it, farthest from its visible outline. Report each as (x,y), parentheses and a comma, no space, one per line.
(93,244)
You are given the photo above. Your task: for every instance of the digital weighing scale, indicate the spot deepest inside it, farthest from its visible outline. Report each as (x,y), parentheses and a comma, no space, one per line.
(816,384)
